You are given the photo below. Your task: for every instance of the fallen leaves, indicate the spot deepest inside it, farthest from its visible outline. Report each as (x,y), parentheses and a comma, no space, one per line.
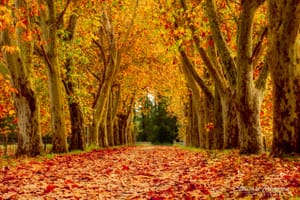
(151,172)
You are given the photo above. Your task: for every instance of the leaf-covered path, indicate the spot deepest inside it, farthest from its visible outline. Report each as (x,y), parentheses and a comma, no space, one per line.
(151,172)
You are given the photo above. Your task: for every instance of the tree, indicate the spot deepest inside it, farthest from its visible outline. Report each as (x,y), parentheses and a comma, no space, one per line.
(49,48)
(17,47)
(283,59)
(75,109)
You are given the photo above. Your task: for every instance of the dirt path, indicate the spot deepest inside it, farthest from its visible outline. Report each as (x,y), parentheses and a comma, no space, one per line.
(151,172)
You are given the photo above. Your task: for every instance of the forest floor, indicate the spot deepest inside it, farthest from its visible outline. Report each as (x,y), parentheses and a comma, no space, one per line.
(151,172)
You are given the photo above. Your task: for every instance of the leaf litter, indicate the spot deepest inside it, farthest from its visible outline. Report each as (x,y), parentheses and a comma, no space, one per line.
(154,173)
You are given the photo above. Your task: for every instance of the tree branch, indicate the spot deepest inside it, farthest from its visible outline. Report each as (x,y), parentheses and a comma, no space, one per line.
(258,49)
(225,55)
(211,65)
(213,71)
(261,81)
(189,67)
(60,17)
(102,53)
(71,27)
(94,75)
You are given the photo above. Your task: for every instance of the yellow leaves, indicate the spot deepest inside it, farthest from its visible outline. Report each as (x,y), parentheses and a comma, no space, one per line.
(5,19)
(11,112)
(21,24)
(10,49)
(27,36)
(179,31)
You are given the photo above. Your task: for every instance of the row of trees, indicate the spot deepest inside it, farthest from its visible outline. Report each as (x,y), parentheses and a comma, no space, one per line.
(36,33)
(238,48)
(80,72)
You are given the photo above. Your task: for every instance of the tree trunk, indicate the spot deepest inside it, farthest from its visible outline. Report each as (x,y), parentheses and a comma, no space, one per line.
(77,128)
(116,132)
(195,136)
(231,131)
(76,115)
(75,111)
(129,128)
(110,123)
(58,126)
(218,130)
(189,125)
(122,127)
(25,100)
(248,98)
(284,60)
(201,122)
(208,106)
(103,139)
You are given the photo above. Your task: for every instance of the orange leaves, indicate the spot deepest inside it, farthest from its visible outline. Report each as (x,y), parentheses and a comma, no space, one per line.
(49,188)
(5,18)
(6,104)
(10,49)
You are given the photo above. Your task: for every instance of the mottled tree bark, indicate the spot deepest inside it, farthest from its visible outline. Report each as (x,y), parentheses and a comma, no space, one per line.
(218,130)
(248,98)
(231,131)
(284,61)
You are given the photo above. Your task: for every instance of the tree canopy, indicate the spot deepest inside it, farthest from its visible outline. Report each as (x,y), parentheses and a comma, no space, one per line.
(226,73)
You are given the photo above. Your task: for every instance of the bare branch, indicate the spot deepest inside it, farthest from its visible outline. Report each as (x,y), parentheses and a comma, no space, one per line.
(94,75)
(102,53)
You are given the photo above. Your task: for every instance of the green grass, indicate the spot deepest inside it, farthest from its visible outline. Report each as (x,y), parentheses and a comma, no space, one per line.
(211,152)
(189,148)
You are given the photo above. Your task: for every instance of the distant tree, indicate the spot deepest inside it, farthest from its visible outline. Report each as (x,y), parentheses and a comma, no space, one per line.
(157,126)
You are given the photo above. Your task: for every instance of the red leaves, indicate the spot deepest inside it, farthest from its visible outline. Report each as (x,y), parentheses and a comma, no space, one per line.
(49,188)
(125,167)
(151,173)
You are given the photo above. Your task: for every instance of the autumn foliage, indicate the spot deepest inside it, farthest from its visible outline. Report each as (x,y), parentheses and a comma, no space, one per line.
(7,109)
